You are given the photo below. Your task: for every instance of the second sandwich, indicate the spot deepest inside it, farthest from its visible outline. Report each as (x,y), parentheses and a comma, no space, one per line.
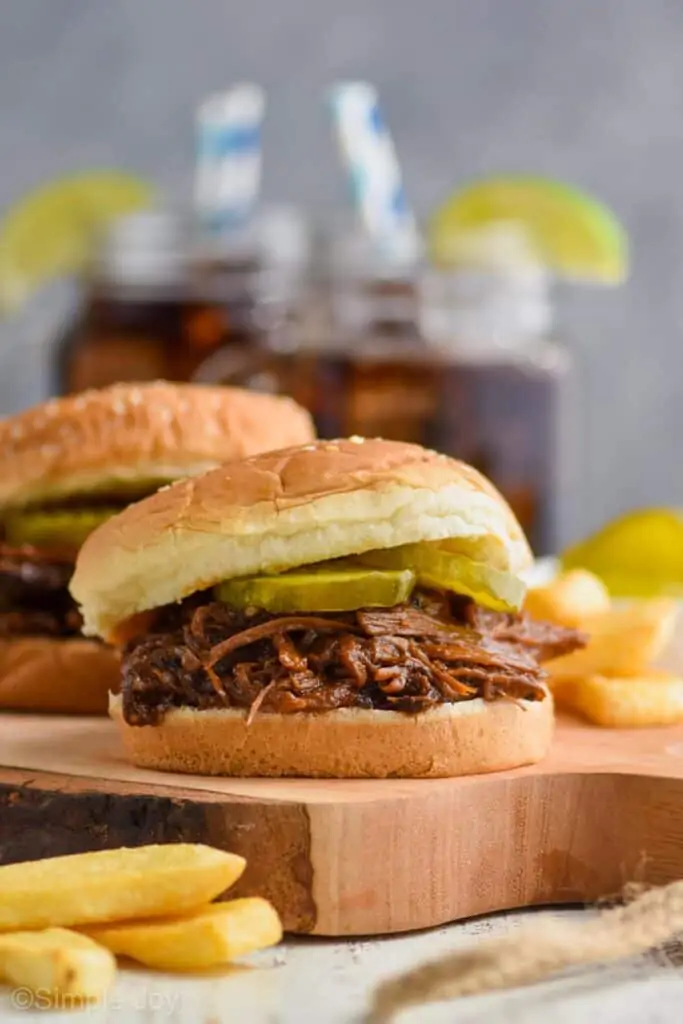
(66,467)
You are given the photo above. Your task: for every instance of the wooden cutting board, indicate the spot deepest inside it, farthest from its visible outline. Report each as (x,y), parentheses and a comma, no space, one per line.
(363,857)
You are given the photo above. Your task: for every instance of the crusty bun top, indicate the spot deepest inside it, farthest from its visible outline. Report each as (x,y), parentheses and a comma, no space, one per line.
(282,509)
(138,432)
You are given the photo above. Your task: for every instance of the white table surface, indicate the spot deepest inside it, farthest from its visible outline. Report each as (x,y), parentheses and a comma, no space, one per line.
(328,982)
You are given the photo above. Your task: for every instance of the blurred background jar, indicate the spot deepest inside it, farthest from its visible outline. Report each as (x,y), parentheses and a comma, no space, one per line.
(463,360)
(164,299)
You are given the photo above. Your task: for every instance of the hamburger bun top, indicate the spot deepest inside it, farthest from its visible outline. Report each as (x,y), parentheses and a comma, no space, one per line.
(282,509)
(129,433)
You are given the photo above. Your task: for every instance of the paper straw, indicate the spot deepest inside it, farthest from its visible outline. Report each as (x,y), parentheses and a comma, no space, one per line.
(368,151)
(228,173)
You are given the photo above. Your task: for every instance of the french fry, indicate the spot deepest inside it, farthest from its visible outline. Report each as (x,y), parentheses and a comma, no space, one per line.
(569,599)
(113,885)
(214,935)
(621,642)
(61,967)
(655,699)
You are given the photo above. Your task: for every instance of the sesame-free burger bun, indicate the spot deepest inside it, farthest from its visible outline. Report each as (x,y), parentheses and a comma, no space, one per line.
(278,510)
(70,676)
(449,740)
(127,433)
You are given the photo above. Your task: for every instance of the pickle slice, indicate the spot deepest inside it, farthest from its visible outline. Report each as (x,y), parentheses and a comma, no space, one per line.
(444,570)
(639,554)
(63,528)
(125,491)
(319,590)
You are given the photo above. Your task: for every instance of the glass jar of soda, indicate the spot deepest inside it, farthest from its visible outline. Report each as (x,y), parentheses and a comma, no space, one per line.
(163,300)
(464,361)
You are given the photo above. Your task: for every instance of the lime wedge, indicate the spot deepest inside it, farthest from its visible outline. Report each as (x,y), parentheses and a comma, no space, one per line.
(637,555)
(572,233)
(443,570)
(50,231)
(318,590)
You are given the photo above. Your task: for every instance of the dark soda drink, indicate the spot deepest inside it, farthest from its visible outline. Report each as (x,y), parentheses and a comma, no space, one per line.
(161,303)
(464,364)
(505,417)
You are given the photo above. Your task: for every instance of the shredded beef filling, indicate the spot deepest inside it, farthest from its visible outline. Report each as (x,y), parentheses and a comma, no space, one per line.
(434,650)
(34,596)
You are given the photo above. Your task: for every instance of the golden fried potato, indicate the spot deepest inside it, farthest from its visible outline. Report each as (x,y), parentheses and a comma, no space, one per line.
(59,966)
(621,641)
(569,599)
(209,937)
(654,699)
(113,885)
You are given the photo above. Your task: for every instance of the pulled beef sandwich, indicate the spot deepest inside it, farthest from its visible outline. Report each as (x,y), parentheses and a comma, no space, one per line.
(66,467)
(344,608)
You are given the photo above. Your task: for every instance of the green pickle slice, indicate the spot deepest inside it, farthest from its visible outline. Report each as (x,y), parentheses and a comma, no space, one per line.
(444,570)
(318,589)
(63,528)
(125,491)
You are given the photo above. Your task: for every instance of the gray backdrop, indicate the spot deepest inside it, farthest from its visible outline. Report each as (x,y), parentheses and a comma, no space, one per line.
(584,90)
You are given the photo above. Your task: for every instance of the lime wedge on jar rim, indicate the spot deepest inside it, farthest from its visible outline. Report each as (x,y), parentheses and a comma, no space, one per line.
(571,232)
(640,554)
(49,232)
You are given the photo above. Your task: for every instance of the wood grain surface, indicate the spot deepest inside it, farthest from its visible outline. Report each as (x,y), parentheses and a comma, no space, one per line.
(356,857)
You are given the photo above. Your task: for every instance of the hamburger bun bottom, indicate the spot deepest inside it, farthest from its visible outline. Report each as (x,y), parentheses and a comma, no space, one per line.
(467,738)
(70,677)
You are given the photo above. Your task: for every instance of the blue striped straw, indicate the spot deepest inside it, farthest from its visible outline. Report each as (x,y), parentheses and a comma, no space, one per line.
(228,171)
(368,151)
